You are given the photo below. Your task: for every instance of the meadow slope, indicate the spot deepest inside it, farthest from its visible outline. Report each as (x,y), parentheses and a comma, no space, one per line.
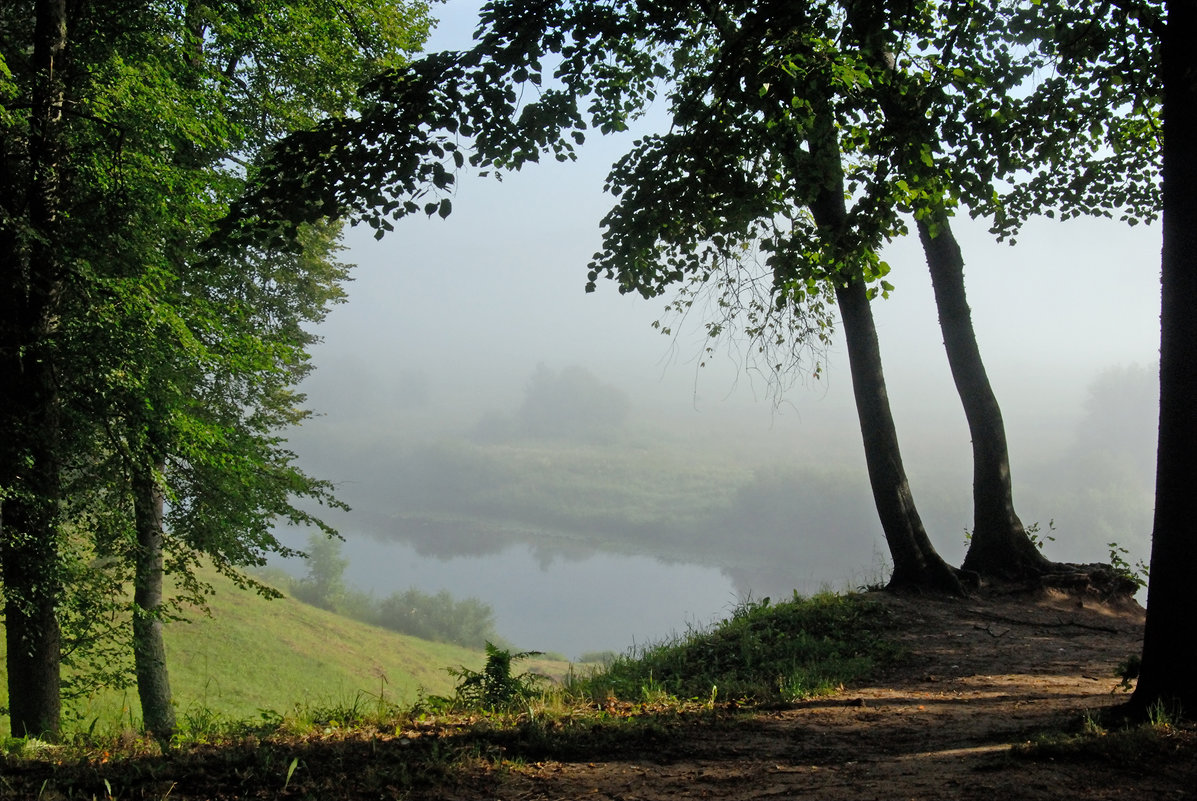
(248,654)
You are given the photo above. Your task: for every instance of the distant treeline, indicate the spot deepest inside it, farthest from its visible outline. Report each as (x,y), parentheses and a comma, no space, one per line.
(769,522)
(430,616)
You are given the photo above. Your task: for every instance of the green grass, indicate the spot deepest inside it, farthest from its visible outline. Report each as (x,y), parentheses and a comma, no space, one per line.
(252,654)
(1162,740)
(642,703)
(566,487)
(282,666)
(763,653)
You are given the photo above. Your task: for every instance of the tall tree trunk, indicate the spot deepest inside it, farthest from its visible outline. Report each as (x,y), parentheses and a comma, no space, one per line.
(1169,665)
(149,652)
(916,563)
(1000,546)
(31,590)
(30,473)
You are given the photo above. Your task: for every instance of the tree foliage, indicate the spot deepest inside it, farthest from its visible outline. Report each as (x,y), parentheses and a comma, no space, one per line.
(571,403)
(801,137)
(1005,109)
(467,622)
(155,365)
(324,585)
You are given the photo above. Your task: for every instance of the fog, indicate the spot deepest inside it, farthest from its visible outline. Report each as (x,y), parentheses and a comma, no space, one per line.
(698,478)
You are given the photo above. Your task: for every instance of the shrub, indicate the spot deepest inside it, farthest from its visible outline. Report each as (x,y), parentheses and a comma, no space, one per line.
(494,687)
(468,622)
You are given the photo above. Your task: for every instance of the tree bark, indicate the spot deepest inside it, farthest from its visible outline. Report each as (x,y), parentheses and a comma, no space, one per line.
(149,651)
(916,563)
(32,632)
(1000,546)
(1169,670)
(30,473)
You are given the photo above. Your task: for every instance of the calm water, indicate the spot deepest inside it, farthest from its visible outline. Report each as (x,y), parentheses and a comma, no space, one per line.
(570,605)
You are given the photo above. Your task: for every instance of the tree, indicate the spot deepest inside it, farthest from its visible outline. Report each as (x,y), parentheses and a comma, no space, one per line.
(1089,141)
(1169,645)
(220,459)
(911,91)
(467,622)
(999,545)
(1122,70)
(931,96)
(1019,125)
(742,168)
(34,275)
(780,112)
(571,403)
(124,139)
(324,585)
(194,417)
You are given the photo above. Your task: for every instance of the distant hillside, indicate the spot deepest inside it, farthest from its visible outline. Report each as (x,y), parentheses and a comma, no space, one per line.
(252,654)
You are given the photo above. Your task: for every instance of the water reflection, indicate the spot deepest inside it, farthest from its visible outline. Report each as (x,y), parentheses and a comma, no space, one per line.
(551,602)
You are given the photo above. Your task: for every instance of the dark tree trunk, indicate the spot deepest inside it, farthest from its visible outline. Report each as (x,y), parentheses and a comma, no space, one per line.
(30,473)
(149,652)
(1000,546)
(1169,670)
(916,563)
(31,597)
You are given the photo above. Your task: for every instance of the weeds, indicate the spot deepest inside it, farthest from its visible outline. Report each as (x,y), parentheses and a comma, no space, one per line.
(1128,672)
(25,747)
(764,653)
(1161,716)
(494,687)
(200,724)
(641,703)
(1136,573)
(1160,739)
(1037,539)
(1032,532)
(290,772)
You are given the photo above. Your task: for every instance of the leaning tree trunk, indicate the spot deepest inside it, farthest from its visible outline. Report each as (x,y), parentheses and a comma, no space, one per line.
(916,563)
(1000,546)
(30,475)
(149,652)
(1170,639)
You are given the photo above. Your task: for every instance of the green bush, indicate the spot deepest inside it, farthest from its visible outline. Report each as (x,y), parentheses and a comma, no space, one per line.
(439,617)
(494,687)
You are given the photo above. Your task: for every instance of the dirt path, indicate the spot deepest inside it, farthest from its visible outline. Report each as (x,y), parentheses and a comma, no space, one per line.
(983,676)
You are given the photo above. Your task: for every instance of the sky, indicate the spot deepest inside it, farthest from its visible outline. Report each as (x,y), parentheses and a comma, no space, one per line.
(474,303)
(484,296)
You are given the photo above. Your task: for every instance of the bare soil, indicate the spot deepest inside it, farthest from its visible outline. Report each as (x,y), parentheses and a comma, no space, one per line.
(982,677)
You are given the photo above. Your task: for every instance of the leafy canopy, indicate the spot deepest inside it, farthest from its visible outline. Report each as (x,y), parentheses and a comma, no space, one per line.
(1004,109)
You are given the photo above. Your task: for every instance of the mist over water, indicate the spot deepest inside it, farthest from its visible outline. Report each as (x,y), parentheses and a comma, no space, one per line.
(599,528)
(585,534)
(569,605)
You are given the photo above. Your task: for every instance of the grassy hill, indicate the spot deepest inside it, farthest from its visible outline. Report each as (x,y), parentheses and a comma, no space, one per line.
(252,654)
